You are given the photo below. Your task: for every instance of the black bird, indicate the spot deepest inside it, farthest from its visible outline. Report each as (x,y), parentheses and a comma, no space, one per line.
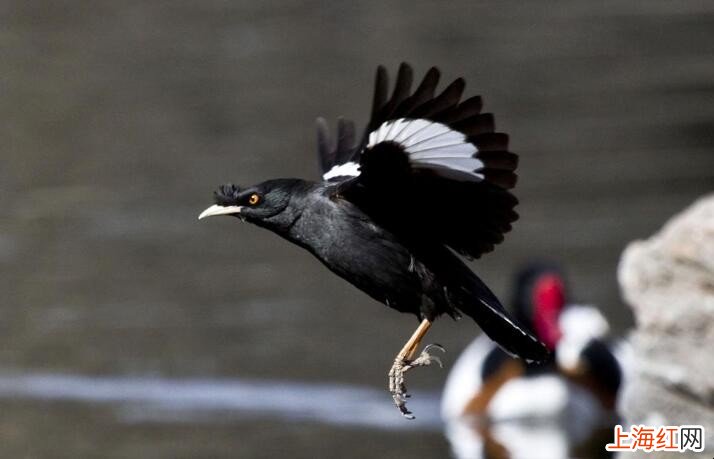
(428,180)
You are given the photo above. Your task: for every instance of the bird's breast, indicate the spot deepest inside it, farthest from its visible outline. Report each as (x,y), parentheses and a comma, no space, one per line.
(357,249)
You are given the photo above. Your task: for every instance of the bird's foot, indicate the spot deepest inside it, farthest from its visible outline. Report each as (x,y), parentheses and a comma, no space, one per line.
(397,386)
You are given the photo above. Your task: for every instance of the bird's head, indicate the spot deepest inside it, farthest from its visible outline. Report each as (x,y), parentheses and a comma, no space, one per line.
(261,204)
(540,299)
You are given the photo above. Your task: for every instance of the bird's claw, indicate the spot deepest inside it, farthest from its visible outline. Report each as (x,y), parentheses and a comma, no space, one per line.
(425,359)
(397,385)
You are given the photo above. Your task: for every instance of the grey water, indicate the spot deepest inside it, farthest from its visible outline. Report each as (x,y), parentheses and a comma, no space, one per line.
(118,119)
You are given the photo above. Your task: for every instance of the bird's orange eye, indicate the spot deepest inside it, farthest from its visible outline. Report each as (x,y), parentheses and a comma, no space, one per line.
(253,199)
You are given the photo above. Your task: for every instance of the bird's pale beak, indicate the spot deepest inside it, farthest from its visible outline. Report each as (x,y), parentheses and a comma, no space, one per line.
(219,210)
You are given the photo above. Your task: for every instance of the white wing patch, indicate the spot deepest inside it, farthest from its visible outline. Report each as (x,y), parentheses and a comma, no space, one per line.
(348,169)
(430,145)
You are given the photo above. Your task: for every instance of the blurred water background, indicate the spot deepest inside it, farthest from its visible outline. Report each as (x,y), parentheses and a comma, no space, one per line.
(129,329)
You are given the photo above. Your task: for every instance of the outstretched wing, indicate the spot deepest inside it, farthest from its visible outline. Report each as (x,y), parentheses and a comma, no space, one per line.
(432,167)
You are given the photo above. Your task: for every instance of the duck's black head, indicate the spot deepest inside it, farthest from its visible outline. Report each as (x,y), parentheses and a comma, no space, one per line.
(264,204)
(540,296)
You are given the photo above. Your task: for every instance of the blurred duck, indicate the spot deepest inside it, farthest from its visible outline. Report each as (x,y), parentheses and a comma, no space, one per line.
(495,406)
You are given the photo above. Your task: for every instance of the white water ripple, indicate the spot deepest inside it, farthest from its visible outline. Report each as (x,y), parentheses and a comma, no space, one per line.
(154,399)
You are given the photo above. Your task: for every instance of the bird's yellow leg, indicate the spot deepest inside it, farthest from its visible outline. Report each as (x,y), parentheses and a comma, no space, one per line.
(409,349)
(405,361)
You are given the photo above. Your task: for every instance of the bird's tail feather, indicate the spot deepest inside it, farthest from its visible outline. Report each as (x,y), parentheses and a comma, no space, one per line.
(500,326)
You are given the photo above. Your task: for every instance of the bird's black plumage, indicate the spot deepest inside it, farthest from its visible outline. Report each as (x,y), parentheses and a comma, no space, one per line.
(428,179)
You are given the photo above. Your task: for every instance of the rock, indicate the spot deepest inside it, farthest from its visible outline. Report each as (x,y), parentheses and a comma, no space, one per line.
(668,281)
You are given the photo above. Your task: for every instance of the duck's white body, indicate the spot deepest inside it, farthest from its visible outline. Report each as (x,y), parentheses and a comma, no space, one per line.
(534,416)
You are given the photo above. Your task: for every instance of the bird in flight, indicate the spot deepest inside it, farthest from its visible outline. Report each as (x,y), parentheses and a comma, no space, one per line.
(396,210)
